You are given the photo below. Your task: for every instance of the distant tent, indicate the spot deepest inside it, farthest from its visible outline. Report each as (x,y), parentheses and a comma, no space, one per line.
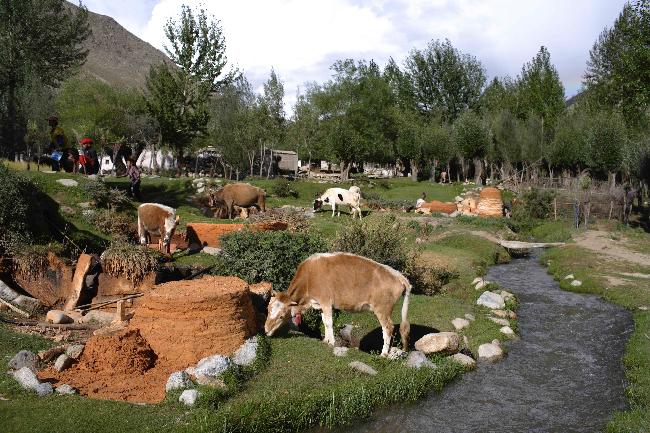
(163,160)
(106,164)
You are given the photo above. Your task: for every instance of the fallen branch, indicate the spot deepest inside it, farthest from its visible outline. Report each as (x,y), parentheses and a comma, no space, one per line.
(88,307)
(14,308)
(71,326)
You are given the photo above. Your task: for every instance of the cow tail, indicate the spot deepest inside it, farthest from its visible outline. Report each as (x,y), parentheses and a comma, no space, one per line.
(405,326)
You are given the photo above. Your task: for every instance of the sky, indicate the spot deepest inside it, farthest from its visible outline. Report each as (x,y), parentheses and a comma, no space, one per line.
(301,39)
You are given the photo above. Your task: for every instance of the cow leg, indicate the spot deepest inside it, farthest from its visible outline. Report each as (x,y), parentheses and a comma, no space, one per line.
(387,332)
(329,324)
(333,209)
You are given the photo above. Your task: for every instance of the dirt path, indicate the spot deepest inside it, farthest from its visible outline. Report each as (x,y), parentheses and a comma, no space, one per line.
(600,242)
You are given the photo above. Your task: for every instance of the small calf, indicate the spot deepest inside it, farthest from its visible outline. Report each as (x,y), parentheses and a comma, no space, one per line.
(158,219)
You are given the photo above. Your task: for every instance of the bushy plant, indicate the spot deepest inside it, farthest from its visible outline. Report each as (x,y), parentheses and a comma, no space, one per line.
(130,261)
(266,256)
(282,188)
(105,197)
(17,205)
(295,218)
(113,223)
(537,204)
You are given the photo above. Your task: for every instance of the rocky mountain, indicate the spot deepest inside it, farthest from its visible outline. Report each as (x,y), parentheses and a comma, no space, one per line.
(117,56)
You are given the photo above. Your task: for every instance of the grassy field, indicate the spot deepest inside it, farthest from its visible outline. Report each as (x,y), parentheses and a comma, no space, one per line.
(613,280)
(303,384)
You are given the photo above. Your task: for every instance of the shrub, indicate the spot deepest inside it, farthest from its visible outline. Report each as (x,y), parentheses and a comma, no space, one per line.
(105,197)
(537,204)
(18,206)
(282,188)
(266,256)
(113,223)
(295,218)
(428,279)
(130,261)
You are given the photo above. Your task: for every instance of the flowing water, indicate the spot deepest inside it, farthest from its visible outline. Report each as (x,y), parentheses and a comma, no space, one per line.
(564,375)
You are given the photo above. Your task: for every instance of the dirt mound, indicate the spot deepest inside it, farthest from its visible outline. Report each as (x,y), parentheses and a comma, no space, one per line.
(184,321)
(176,325)
(490,203)
(438,206)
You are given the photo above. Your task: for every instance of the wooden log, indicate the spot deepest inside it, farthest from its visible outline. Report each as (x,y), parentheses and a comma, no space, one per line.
(14,308)
(89,307)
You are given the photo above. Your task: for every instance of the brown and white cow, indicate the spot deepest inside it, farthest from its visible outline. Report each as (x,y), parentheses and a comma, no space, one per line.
(243,195)
(158,219)
(344,281)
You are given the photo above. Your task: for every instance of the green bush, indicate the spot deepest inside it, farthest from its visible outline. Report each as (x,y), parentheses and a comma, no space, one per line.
(266,256)
(105,197)
(537,204)
(18,206)
(282,188)
(113,223)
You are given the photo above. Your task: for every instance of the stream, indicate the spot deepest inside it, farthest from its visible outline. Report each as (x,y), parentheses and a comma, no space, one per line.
(565,374)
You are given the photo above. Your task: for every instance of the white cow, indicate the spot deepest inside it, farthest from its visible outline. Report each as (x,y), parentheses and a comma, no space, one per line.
(340,196)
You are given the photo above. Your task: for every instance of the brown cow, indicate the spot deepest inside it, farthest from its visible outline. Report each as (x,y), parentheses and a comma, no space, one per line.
(238,194)
(347,282)
(159,219)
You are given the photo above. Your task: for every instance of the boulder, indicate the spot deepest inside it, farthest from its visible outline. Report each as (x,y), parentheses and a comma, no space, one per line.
(506,295)
(491,300)
(26,378)
(569,277)
(7,293)
(246,353)
(63,362)
(507,330)
(460,323)
(481,284)
(27,303)
(24,358)
(490,352)
(178,380)
(43,389)
(476,281)
(189,397)
(576,283)
(446,342)
(212,366)
(470,317)
(504,314)
(51,354)
(102,318)
(464,360)
(396,353)
(67,182)
(57,317)
(363,368)
(341,351)
(213,251)
(65,389)
(417,359)
(498,321)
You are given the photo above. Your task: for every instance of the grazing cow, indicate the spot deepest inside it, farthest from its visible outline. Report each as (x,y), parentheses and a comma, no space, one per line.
(159,219)
(347,282)
(243,195)
(340,196)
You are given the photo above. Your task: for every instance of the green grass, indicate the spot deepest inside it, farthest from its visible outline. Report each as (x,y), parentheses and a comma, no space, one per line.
(592,270)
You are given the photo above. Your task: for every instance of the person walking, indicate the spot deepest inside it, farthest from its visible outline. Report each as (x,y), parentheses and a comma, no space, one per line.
(133,172)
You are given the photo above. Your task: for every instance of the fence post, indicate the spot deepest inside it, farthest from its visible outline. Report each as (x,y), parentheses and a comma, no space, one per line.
(555,209)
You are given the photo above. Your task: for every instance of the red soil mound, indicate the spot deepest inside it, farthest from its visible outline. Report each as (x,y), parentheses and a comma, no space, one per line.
(439,206)
(490,203)
(176,325)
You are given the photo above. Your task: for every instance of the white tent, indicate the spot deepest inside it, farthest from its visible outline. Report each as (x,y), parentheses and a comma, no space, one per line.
(106,165)
(163,160)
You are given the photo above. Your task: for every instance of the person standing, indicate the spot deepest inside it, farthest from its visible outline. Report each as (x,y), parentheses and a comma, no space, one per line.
(58,144)
(91,162)
(133,172)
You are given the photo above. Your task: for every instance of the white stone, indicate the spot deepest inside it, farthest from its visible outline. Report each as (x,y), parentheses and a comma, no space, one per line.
(504,314)
(24,358)
(85,205)
(506,295)
(246,353)
(507,330)
(499,321)
(490,352)
(470,317)
(65,389)
(200,190)
(7,293)
(189,397)
(346,332)
(576,283)
(569,277)
(463,359)
(26,378)
(57,317)
(75,351)
(177,380)
(67,182)
(454,214)
(62,362)
(212,366)
(476,280)
(481,284)
(417,359)
(213,251)
(396,353)
(491,300)
(363,368)
(439,342)
(43,389)
(460,323)
(102,318)
(341,351)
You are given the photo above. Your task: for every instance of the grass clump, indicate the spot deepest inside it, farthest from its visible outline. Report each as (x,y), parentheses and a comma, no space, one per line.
(283,188)
(130,261)
(104,197)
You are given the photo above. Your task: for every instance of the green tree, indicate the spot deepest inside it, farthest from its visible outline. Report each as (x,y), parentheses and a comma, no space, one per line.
(607,142)
(271,114)
(39,40)
(303,129)
(445,81)
(472,140)
(570,146)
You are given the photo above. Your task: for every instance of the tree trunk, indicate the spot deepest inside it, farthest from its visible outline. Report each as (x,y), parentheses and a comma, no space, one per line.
(463,168)
(12,119)
(345,170)
(432,174)
(612,179)
(448,171)
(414,170)
(478,171)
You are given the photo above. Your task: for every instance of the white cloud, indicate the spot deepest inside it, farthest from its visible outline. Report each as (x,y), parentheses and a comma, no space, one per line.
(300,39)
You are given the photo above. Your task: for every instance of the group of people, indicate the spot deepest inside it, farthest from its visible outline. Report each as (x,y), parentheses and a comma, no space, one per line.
(70,158)
(84,160)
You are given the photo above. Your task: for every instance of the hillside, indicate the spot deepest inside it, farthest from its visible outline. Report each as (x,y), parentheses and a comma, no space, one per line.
(116,55)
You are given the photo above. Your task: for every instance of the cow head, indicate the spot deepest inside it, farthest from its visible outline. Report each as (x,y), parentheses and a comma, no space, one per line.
(170,228)
(279,311)
(318,203)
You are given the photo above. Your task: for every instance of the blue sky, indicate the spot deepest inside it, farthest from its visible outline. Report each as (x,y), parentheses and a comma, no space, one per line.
(300,39)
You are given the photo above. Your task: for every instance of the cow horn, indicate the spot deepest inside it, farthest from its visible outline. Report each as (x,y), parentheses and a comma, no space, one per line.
(178,218)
